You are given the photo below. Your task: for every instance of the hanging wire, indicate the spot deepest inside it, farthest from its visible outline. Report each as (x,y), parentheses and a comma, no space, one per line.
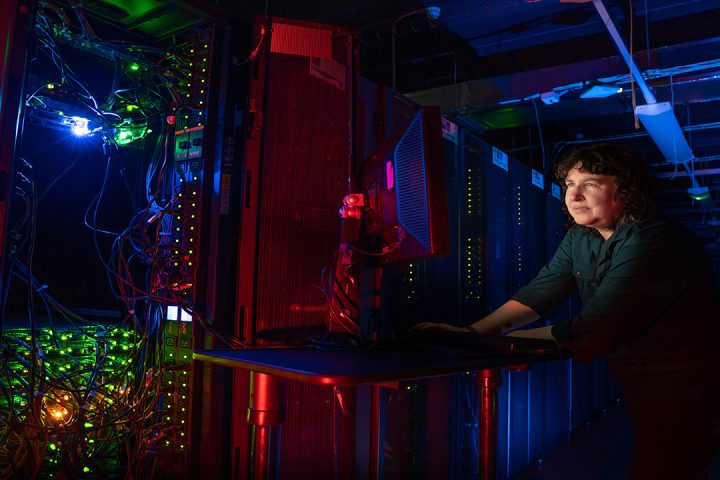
(647,35)
(632,79)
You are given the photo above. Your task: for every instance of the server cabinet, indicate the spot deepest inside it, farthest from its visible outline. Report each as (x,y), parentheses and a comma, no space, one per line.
(298,158)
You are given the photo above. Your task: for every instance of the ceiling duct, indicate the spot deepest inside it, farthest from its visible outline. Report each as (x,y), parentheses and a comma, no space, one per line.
(658,118)
(662,125)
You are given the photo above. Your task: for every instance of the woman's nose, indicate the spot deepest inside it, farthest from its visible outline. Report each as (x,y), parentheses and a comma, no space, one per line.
(575,193)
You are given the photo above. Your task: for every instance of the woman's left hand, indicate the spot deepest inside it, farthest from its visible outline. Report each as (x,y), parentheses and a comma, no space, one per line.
(543,333)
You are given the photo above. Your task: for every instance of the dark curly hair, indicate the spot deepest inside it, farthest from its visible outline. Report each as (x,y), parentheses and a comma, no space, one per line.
(635,185)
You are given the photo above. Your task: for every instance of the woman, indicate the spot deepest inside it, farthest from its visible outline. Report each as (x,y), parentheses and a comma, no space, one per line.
(650,304)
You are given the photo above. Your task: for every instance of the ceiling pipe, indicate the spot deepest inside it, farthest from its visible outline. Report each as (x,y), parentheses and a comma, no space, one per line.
(658,118)
(706,171)
(624,53)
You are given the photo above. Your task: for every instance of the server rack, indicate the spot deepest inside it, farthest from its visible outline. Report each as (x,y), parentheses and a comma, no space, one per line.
(130,354)
(298,159)
(506,222)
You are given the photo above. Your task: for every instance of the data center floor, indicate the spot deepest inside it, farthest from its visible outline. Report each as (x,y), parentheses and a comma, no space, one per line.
(600,451)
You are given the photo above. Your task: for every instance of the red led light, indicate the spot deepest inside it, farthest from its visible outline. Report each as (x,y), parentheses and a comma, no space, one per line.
(389,175)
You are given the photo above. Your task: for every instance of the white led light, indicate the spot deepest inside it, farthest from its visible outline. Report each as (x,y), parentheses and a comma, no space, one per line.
(79,126)
(172,312)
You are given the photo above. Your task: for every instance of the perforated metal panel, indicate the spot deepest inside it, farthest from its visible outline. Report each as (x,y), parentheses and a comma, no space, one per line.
(411,189)
(297,162)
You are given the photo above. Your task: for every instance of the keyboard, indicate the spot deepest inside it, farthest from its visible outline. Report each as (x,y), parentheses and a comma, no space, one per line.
(474,341)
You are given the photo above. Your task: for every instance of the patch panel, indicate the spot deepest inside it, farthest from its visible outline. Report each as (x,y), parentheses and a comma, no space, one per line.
(186,177)
(473,192)
(411,281)
(473,272)
(184,189)
(177,360)
(180,271)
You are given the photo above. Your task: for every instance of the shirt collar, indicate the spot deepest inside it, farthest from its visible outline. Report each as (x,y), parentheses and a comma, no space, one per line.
(622,232)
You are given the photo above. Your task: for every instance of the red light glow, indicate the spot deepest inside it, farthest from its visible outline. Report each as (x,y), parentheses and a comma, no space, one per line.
(389,175)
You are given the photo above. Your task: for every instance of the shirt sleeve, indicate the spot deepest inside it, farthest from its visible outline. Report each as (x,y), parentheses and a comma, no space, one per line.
(553,284)
(636,289)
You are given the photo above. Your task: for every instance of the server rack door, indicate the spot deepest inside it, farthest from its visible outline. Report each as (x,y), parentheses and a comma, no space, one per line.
(520,401)
(298,159)
(497,211)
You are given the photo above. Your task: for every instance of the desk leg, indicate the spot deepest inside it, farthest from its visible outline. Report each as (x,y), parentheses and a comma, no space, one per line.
(488,382)
(375,432)
(264,414)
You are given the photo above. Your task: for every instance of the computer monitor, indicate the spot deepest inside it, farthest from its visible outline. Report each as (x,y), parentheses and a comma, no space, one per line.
(398,213)
(405,215)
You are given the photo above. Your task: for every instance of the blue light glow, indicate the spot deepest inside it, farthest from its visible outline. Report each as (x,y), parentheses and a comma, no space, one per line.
(79,126)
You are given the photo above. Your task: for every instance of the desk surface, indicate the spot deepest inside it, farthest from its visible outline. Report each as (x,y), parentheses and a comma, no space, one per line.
(348,368)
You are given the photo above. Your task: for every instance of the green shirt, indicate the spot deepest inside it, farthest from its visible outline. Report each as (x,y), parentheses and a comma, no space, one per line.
(647,292)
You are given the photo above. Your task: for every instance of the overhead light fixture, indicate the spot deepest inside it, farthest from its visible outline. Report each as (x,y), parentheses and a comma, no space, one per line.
(433,13)
(548,98)
(660,122)
(699,193)
(600,90)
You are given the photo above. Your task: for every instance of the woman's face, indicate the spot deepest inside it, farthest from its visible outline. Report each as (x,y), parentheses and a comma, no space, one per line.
(592,200)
